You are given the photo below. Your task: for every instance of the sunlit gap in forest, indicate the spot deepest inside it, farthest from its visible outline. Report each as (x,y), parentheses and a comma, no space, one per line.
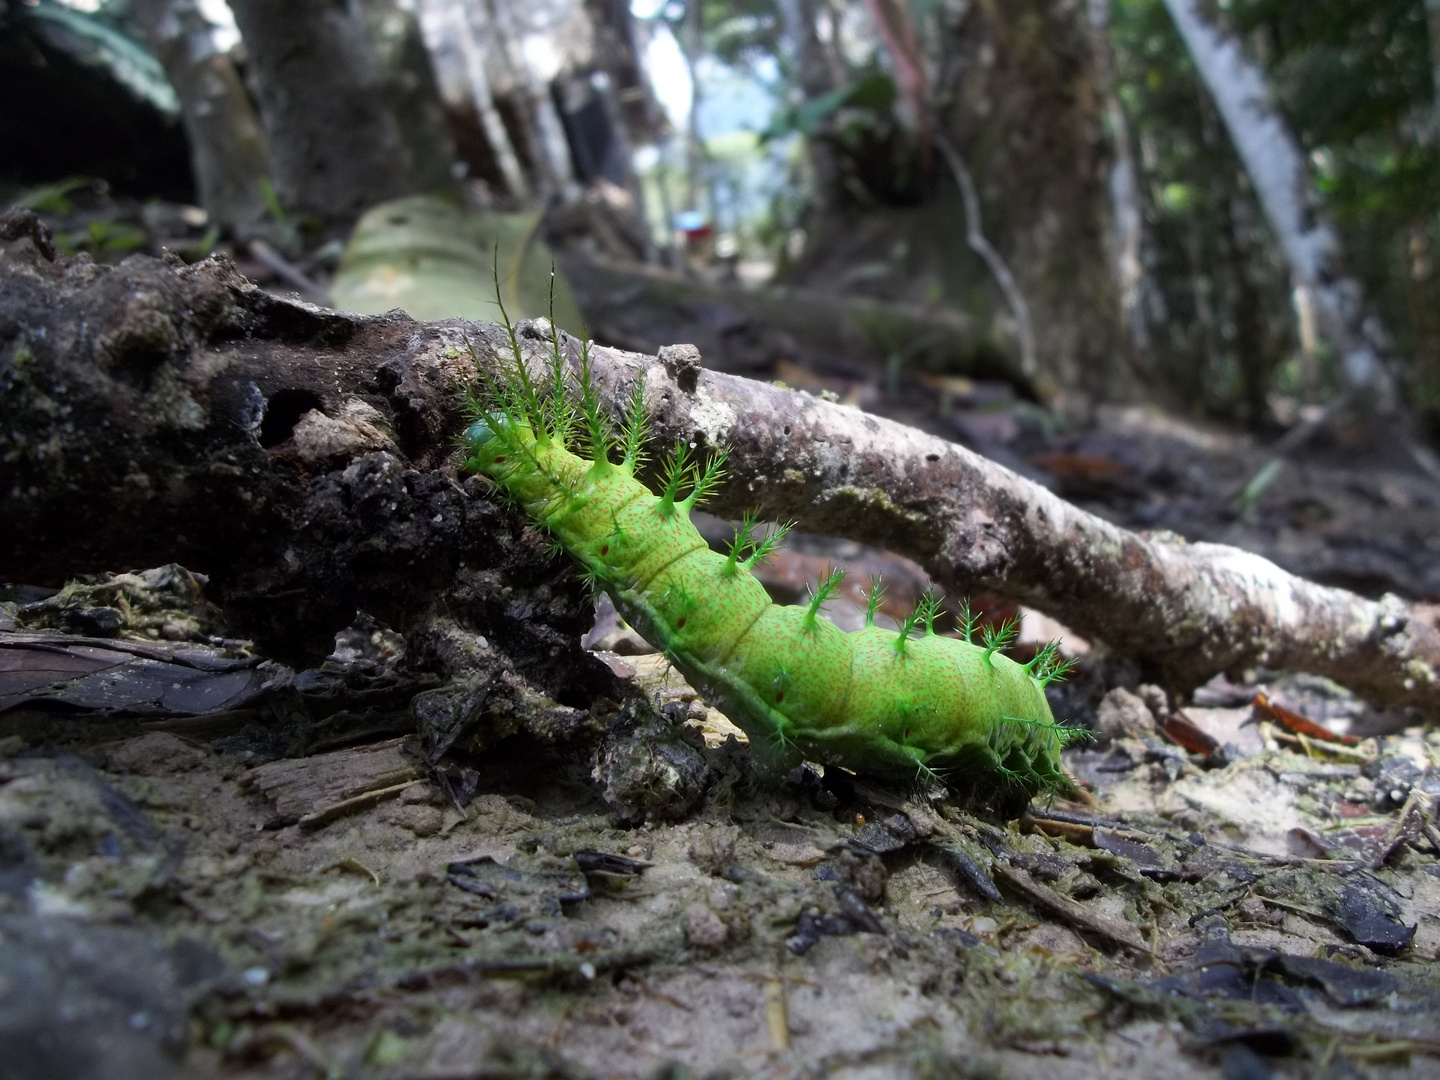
(746,183)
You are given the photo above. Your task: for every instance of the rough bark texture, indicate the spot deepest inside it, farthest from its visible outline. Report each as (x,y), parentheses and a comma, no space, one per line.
(156,412)
(335,144)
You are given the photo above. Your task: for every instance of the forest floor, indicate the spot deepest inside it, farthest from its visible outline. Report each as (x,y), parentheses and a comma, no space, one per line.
(1240,895)
(1238,898)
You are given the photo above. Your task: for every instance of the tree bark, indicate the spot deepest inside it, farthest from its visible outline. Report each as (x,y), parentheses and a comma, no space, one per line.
(303,458)
(1024,103)
(1018,95)
(413,94)
(335,144)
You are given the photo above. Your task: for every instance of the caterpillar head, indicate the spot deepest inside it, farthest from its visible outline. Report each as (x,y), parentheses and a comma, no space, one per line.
(490,438)
(482,432)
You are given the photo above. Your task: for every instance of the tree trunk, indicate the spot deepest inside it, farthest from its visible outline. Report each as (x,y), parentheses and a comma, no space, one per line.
(1276,166)
(1018,99)
(227,146)
(335,143)
(413,94)
(1026,111)
(456,21)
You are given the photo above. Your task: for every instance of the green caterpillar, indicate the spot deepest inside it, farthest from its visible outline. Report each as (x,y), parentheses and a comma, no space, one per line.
(874,701)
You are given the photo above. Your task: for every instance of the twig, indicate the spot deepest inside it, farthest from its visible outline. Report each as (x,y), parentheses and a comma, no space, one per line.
(1072,911)
(282,268)
(975,237)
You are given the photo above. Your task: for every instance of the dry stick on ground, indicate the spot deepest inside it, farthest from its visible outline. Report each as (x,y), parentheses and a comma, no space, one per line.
(156,411)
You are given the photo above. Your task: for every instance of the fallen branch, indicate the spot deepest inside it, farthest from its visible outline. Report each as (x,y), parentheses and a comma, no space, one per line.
(301,457)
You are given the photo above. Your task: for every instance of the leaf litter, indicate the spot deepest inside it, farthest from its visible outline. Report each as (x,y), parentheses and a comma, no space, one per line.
(1237,896)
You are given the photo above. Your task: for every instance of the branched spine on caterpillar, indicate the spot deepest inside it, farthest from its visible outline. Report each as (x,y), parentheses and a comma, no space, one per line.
(876,701)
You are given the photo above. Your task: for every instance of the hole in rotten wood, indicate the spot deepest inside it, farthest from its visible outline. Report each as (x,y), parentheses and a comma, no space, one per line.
(283,410)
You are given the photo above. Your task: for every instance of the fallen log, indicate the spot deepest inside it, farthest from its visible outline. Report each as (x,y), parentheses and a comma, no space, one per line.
(303,458)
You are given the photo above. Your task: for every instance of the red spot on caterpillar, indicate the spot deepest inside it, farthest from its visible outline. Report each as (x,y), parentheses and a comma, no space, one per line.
(500,459)
(680,623)
(604,549)
(779,696)
(906,735)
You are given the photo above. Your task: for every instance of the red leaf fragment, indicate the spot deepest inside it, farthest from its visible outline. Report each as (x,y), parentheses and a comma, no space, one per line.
(1184,732)
(1298,724)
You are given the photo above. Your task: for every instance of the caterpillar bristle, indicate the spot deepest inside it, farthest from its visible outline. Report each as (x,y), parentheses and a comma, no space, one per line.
(923,612)
(1041,661)
(636,428)
(767,545)
(1048,667)
(529,397)
(823,591)
(743,539)
(676,469)
(927,607)
(1059,672)
(967,621)
(598,431)
(707,480)
(999,638)
(1039,725)
(874,596)
(561,421)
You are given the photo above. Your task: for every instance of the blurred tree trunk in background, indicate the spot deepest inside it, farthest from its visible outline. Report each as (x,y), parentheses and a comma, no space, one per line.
(414,96)
(1018,91)
(1021,96)
(1276,165)
(336,145)
(227,145)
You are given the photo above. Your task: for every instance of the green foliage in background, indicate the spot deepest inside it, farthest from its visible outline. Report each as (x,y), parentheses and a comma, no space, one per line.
(101,39)
(1357,80)
(1215,296)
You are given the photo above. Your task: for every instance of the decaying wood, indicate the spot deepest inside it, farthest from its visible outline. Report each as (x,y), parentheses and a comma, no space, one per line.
(304,459)
(310,791)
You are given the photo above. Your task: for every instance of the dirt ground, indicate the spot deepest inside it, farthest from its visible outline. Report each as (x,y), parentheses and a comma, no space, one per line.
(169,907)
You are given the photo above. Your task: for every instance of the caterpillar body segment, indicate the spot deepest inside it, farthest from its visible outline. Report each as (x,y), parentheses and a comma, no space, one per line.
(874,701)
